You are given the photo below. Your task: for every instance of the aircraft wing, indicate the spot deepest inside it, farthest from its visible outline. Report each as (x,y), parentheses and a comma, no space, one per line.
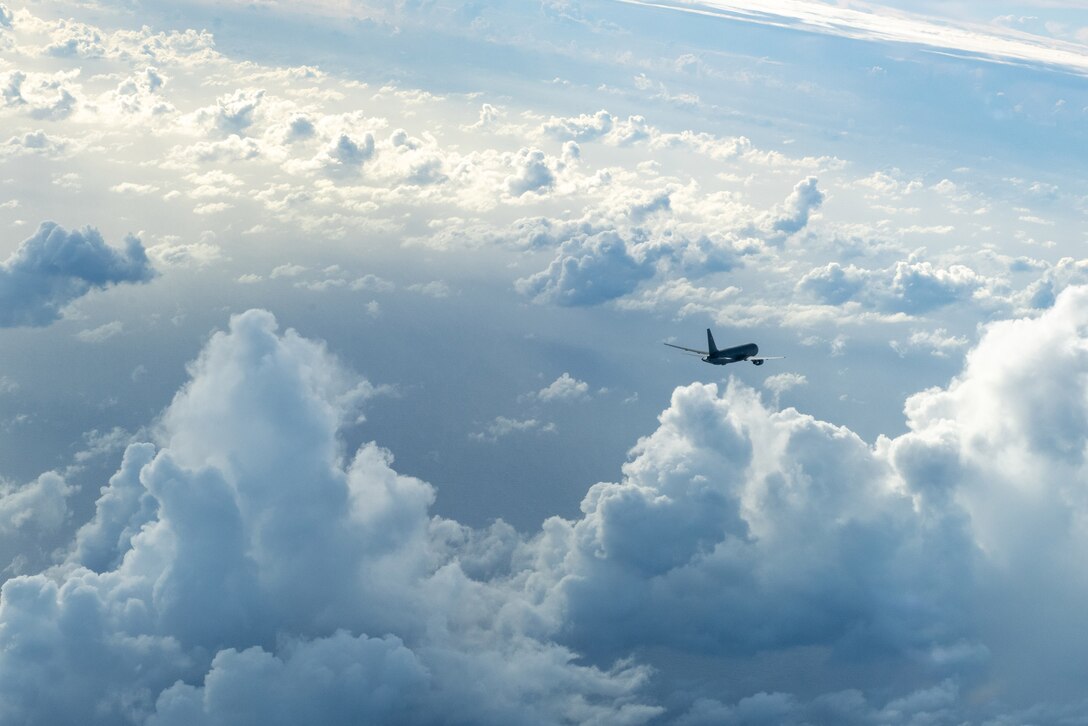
(690,350)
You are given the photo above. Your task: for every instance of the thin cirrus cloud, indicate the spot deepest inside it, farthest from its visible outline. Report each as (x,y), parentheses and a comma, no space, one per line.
(987,42)
(56,266)
(236,553)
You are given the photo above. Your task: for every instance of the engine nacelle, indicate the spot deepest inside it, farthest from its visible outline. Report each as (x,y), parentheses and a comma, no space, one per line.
(757,362)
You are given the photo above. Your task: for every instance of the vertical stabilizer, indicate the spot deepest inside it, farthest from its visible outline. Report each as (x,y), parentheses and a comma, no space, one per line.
(710,342)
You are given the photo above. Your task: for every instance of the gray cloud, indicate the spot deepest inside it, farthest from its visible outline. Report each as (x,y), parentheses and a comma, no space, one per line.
(239,569)
(912,286)
(531,173)
(228,559)
(588,271)
(792,215)
(56,266)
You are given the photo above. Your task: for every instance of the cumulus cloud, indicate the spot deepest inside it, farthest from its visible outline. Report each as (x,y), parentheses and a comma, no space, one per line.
(792,215)
(240,549)
(240,567)
(1044,291)
(233,113)
(913,286)
(564,388)
(582,128)
(56,266)
(589,271)
(41,505)
(532,173)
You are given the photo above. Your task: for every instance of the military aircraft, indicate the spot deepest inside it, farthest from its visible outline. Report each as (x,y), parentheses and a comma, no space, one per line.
(736,354)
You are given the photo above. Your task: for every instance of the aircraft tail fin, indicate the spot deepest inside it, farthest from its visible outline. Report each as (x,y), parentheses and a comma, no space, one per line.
(710,342)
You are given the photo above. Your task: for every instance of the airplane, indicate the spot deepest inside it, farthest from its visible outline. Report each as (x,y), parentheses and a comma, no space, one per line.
(736,354)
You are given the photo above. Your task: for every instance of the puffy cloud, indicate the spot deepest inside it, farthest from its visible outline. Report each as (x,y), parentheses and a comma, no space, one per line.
(55,266)
(138,97)
(226,562)
(630,238)
(579,128)
(791,216)
(913,286)
(833,283)
(589,271)
(13,88)
(241,569)
(739,529)
(34,142)
(736,529)
(531,173)
(345,155)
(1044,291)
(564,388)
(919,286)
(41,505)
(233,114)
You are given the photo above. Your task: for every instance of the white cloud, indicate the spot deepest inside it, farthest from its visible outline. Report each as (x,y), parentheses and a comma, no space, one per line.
(41,505)
(987,43)
(532,173)
(287,270)
(54,267)
(564,388)
(434,288)
(194,254)
(503,426)
(734,529)
(782,382)
(226,563)
(584,127)
(588,271)
(793,215)
(913,286)
(938,342)
(35,142)
(234,113)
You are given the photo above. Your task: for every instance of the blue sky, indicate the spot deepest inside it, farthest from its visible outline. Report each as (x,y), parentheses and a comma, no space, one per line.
(332,386)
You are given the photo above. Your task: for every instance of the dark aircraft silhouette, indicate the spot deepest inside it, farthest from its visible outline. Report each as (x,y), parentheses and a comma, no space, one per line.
(736,354)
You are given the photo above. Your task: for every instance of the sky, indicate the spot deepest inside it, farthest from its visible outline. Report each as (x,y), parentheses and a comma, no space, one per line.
(332,385)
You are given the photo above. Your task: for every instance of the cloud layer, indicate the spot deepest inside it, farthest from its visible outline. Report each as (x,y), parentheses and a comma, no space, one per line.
(242,567)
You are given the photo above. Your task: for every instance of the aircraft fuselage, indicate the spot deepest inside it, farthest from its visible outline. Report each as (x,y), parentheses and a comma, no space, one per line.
(732,355)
